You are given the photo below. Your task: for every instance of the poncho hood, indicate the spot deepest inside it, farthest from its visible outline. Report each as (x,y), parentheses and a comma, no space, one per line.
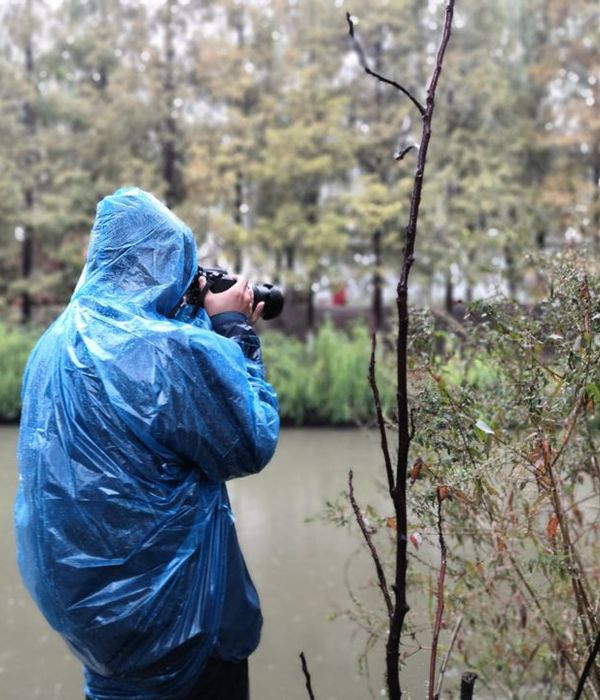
(139,252)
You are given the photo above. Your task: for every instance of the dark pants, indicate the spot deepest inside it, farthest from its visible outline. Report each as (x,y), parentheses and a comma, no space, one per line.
(221,680)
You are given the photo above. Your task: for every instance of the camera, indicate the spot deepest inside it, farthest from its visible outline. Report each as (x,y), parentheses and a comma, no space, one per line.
(218,280)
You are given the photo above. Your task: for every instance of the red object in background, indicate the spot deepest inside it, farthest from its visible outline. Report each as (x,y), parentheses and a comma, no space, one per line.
(339,297)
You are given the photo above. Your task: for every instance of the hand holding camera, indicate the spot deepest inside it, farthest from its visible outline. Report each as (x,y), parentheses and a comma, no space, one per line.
(217,291)
(238,297)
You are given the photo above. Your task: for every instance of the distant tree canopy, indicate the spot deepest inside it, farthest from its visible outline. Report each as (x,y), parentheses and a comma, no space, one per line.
(255,122)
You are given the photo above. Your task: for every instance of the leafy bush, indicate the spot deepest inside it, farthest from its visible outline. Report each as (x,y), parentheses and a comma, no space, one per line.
(15,346)
(506,411)
(507,425)
(324,381)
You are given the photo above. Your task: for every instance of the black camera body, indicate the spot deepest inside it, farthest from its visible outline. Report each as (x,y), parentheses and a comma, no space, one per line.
(218,280)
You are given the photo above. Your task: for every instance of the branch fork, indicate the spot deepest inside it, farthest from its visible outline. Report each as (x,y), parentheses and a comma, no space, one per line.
(362,57)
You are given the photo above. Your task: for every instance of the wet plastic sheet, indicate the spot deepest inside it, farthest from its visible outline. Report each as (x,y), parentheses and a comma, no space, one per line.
(131,424)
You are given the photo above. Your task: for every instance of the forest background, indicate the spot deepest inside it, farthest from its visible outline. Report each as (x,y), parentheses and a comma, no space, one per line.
(254,121)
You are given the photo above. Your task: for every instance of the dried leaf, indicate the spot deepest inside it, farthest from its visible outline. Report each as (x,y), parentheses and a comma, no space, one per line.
(547,449)
(552,527)
(416,470)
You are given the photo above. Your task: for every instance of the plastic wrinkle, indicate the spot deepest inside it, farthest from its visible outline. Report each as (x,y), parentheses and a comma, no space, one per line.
(132,422)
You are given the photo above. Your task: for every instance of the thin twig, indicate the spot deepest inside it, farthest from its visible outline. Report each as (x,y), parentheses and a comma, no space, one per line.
(375,556)
(446,658)
(389,470)
(399,155)
(362,57)
(572,421)
(442,492)
(431,88)
(307,676)
(587,668)
(413,428)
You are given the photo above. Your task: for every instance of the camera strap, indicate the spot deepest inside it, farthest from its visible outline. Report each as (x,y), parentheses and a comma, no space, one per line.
(201,297)
(203,292)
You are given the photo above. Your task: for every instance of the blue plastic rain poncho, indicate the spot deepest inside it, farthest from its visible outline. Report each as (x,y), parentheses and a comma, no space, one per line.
(131,423)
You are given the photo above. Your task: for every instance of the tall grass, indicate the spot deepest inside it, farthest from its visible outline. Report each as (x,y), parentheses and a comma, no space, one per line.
(15,346)
(324,381)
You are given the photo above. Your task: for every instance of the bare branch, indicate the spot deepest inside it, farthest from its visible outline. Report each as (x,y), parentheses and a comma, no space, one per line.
(446,658)
(307,676)
(431,88)
(402,146)
(360,52)
(413,427)
(406,426)
(375,556)
(442,493)
(399,155)
(587,668)
(389,470)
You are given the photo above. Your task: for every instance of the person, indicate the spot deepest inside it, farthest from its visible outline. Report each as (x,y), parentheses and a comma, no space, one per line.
(135,414)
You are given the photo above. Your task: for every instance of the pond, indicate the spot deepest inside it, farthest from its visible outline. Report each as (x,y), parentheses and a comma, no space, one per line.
(301,569)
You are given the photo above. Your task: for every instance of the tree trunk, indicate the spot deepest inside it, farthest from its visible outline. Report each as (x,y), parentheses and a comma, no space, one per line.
(278,266)
(171,158)
(310,306)
(290,257)
(377,305)
(449,293)
(29,122)
(511,276)
(238,217)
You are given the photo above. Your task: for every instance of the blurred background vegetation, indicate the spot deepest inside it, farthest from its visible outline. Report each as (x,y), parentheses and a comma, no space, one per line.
(253,120)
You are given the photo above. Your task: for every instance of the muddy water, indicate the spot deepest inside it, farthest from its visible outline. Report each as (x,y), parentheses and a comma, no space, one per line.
(302,572)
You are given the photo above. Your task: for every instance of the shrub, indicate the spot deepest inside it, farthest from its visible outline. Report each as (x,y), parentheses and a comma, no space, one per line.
(506,411)
(15,346)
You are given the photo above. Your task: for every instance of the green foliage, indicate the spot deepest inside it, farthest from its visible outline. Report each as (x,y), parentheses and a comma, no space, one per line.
(506,410)
(323,381)
(15,346)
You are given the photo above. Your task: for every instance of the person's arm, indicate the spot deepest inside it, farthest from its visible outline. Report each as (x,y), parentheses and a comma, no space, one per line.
(230,425)
(232,315)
